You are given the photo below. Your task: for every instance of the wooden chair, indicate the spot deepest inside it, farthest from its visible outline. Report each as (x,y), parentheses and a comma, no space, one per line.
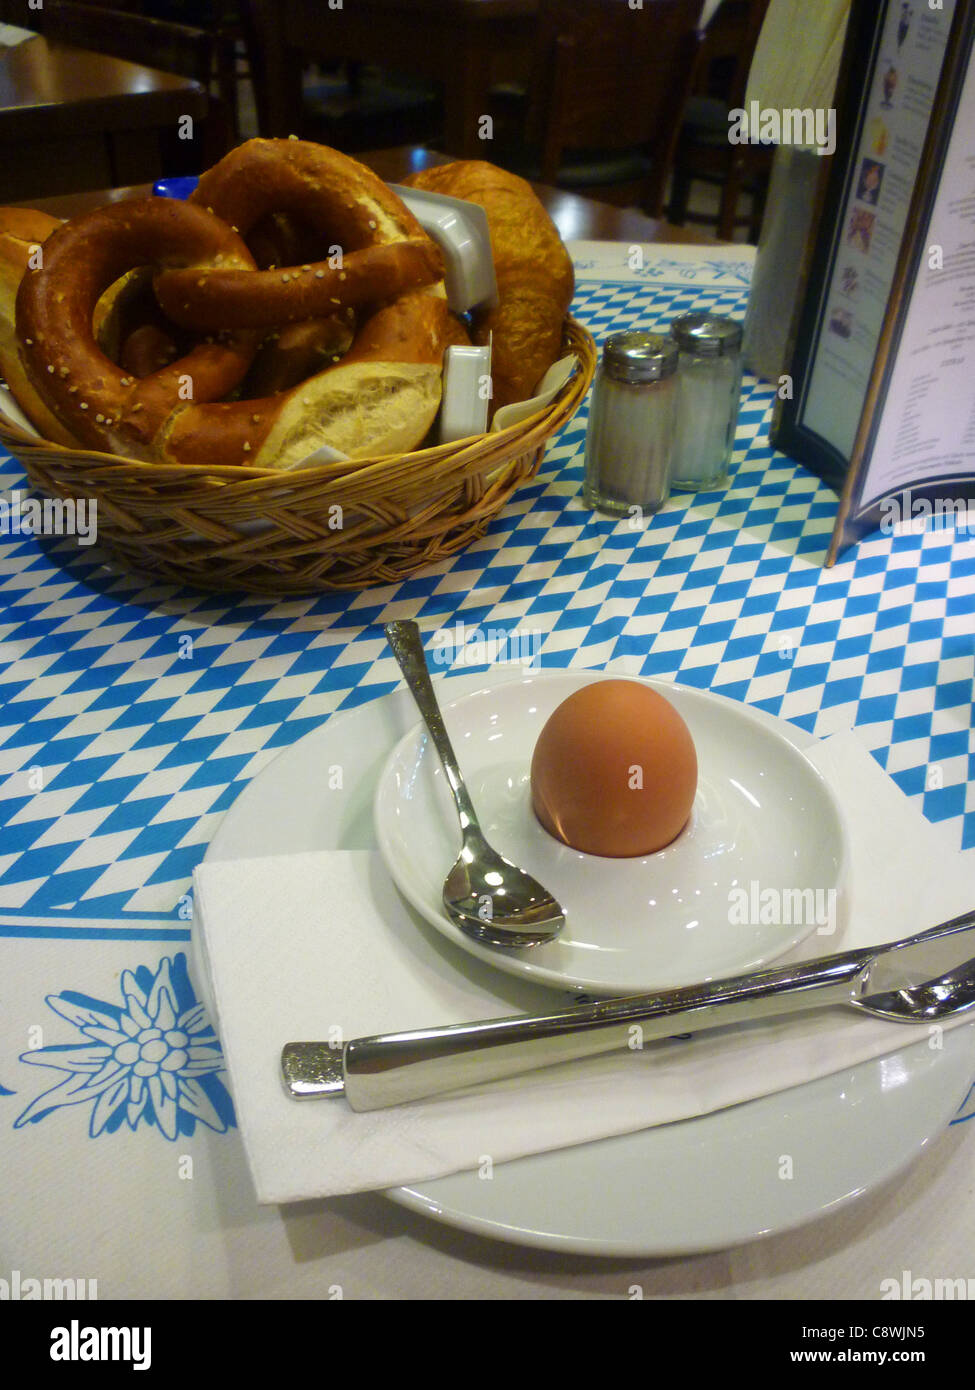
(231,22)
(703,150)
(608,90)
(355,106)
(178,48)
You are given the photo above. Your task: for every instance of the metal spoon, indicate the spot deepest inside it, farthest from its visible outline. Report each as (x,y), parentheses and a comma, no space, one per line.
(487,896)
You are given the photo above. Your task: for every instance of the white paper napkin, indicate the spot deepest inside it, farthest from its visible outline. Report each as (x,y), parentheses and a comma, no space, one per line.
(557,376)
(11,35)
(320,946)
(10,412)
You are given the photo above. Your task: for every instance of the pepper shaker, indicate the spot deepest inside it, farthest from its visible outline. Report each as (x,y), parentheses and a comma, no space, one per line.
(709,395)
(632,416)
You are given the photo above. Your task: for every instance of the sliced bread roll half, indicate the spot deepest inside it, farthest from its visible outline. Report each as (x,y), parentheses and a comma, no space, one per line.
(22,232)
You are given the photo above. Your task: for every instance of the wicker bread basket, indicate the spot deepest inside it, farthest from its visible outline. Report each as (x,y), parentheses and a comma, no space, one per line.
(347,525)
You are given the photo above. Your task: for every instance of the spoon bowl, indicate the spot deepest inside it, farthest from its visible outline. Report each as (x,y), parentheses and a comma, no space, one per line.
(484,894)
(494,901)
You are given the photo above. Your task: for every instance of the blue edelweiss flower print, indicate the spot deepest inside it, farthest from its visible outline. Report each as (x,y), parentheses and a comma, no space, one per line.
(966,1110)
(154,1058)
(4,1091)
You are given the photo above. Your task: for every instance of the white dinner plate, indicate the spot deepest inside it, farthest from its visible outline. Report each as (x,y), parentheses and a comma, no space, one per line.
(763,818)
(695,1185)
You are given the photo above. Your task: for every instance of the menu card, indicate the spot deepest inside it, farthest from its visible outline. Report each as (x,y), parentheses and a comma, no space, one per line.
(884,342)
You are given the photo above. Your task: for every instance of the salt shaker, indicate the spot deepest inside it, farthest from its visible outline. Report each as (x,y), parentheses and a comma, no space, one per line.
(709,394)
(632,415)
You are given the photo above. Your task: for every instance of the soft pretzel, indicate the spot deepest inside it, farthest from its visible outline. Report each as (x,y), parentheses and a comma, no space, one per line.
(103,408)
(381,397)
(120,331)
(533,269)
(292,354)
(287,196)
(221,299)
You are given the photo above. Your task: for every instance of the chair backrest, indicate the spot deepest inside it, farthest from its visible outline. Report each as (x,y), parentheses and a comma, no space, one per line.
(610,76)
(203,57)
(727,48)
(153,43)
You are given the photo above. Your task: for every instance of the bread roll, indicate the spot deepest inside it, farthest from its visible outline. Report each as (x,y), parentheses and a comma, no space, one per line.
(21,231)
(533,269)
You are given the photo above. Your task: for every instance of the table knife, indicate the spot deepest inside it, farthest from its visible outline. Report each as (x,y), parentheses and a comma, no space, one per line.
(918,979)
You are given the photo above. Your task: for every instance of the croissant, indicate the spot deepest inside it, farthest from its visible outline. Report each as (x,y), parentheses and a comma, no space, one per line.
(534,272)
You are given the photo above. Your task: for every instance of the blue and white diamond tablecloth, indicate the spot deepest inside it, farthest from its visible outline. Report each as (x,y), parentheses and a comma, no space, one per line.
(131,716)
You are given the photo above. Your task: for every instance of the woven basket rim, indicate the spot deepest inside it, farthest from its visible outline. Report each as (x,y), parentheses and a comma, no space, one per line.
(13,435)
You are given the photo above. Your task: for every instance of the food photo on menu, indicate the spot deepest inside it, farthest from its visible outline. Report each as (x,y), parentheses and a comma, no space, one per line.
(486,756)
(871,180)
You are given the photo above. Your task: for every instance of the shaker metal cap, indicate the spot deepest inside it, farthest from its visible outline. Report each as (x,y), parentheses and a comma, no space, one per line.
(707,335)
(637,356)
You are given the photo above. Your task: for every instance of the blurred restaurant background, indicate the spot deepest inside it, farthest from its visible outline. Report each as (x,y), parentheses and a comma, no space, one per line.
(566,92)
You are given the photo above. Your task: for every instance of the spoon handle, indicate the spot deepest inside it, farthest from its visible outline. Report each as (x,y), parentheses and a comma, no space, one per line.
(407,647)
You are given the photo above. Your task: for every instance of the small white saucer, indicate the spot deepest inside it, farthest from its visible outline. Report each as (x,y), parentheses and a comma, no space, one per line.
(763,819)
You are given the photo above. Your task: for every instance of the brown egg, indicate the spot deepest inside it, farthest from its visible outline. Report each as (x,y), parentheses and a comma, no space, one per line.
(614,770)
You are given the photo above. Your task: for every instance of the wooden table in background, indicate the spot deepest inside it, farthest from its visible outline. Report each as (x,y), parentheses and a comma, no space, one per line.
(577,218)
(70,119)
(459,43)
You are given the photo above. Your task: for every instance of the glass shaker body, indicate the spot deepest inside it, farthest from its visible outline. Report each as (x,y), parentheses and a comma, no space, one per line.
(632,417)
(709,397)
